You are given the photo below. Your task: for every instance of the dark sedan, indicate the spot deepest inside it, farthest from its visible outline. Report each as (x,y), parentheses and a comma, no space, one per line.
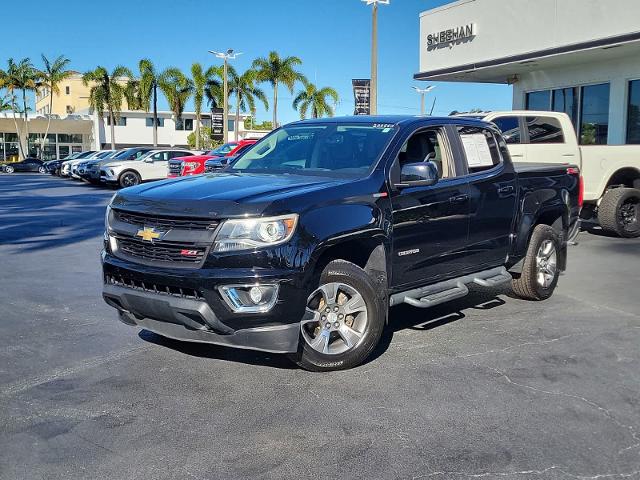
(26,165)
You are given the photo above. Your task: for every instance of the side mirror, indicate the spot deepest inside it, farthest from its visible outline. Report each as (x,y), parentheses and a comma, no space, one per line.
(423,174)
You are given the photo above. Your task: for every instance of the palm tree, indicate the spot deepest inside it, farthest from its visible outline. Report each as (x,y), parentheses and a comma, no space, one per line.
(133,94)
(107,92)
(177,88)
(21,76)
(214,88)
(246,93)
(52,75)
(316,100)
(201,82)
(149,92)
(276,71)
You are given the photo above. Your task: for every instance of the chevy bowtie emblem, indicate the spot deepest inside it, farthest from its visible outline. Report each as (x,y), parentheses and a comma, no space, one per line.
(149,234)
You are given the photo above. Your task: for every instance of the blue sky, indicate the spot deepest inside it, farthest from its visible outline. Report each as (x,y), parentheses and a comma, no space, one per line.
(332,37)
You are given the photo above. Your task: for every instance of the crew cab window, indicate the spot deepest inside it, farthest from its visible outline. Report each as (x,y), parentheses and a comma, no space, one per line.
(510,128)
(480,148)
(426,145)
(544,130)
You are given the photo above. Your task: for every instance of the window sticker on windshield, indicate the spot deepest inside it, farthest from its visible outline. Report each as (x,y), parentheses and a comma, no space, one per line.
(477,150)
(383,125)
(386,130)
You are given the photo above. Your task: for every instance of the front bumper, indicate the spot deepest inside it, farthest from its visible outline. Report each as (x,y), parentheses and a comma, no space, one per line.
(192,308)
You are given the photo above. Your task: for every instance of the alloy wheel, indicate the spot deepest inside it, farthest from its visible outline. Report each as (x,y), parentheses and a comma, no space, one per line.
(546,263)
(628,214)
(129,180)
(335,320)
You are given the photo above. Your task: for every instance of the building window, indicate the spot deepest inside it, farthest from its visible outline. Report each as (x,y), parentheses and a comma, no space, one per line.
(633,113)
(149,122)
(184,124)
(594,114)
(231,125)
(544,130)
(539,100)
(67,90)
(566,100)
(121,122)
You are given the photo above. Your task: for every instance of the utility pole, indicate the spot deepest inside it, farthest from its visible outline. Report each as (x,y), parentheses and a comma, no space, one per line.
(373,94)
(422,92)
(225,56)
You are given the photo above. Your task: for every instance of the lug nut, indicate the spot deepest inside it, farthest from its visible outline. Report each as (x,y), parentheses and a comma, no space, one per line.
(340,316)
(327,325)
(328,310)
(336,325)
(324,317)
(335,309)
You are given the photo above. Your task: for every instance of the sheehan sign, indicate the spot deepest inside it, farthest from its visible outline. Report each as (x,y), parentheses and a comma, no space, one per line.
(451,35)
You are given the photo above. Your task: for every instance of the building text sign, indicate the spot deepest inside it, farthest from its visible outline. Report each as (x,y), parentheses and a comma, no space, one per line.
(451,35)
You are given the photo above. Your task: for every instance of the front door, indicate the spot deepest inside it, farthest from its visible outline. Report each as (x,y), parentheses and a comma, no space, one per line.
(429,223)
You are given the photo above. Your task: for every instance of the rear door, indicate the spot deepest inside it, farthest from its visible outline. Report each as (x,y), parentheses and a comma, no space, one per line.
(429,223)
(493,195)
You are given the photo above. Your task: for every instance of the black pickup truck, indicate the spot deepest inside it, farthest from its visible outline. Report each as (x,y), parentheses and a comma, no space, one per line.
(306,240)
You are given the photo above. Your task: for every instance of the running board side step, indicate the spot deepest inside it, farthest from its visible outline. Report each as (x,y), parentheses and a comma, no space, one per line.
(425,297)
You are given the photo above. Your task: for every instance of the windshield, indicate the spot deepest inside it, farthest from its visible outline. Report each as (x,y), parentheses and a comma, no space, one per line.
(337,150)
(85,154)
(223,149)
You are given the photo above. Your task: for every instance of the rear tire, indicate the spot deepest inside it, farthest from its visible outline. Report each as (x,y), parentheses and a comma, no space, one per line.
(619,212)
(540,271)
(344,320)
(42,170)
(129,179)
(9,169)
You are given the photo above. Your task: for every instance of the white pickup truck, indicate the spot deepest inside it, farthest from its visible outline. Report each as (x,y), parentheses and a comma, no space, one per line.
(611,173)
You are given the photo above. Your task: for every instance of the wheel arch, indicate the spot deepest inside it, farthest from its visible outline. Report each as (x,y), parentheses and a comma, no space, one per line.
(624,177)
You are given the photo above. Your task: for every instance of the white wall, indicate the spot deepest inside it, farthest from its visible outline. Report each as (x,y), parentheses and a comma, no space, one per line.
(511,27)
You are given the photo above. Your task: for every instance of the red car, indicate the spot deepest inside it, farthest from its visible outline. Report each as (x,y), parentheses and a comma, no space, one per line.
(194,165)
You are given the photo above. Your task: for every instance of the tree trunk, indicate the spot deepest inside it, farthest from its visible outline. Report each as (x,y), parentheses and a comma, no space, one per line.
(46,132)
(237,116)
(15,121)
(155,115)
(26,121)
(197,129)
(275,105)
(113,130)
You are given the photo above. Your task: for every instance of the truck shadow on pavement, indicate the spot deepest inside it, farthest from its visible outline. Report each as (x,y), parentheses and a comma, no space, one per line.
(402,317)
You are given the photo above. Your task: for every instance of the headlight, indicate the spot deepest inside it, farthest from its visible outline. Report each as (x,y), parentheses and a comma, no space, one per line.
(251,233)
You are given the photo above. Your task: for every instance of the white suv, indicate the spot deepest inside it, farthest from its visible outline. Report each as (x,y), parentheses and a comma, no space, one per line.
(154,165)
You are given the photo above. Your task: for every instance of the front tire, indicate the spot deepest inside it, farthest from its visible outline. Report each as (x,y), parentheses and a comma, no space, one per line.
(9,169)
(129,179)
(343,322)
(619,212)
(42,170)
(540,271)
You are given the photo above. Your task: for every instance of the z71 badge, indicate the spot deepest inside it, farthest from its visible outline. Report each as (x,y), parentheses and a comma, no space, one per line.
(408,252)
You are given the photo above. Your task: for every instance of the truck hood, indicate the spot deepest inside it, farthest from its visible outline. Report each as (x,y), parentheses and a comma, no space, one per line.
(220,195)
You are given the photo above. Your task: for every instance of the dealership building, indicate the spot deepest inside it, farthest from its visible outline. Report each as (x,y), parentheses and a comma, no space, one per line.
(581,57)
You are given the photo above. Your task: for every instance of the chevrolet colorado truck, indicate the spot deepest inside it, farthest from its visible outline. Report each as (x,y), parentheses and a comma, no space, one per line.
(302,244)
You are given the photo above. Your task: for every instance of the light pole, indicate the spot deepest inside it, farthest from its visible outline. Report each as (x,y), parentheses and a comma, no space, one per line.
(422,92)
(225,56)
(373,94)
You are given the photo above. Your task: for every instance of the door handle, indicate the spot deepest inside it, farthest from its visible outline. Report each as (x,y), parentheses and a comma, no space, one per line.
(459,199)
(507,189)
(519,155)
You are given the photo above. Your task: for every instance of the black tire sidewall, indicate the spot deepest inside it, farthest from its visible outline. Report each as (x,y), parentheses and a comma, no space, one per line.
(124,175)
(608,211)
(628,194)
(541,234)
(352,275)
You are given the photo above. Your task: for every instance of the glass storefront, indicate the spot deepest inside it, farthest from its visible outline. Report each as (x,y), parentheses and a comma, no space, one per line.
(594,114)
(633,113)
(55,146)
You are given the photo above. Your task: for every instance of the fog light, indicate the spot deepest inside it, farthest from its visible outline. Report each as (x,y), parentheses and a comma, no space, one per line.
(250,298)
(256,295)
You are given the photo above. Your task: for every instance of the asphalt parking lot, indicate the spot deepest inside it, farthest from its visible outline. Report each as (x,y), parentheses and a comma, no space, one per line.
(485,387)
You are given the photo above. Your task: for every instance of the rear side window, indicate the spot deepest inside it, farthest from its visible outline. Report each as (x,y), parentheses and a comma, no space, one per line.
(480,148)
(544,130)
(510,128)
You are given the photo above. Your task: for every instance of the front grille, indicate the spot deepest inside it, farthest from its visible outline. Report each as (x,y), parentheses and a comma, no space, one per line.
(165,223)
(151,287)
(175,168)
(159,251)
